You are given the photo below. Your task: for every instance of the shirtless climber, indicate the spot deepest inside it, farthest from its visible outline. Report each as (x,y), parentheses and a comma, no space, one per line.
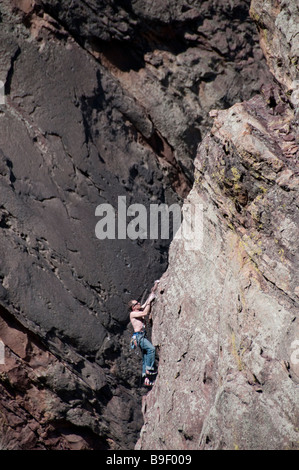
(138,316)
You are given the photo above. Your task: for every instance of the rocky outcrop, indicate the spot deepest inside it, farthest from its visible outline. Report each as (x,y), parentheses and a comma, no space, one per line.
(102,99)
(277,22)
(226,319)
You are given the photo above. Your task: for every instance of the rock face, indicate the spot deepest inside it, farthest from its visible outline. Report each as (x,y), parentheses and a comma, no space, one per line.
(277,22)
(102,99)
(226,320)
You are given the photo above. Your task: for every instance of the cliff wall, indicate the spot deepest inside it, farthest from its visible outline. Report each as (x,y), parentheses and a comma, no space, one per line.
(226,319)
(102,99)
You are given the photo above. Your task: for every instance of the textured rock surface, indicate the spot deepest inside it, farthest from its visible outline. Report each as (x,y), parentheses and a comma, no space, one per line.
(226,320)
(277,21)
(102,99)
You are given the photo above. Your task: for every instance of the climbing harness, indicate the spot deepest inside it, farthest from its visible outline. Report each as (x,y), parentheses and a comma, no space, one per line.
(135,340)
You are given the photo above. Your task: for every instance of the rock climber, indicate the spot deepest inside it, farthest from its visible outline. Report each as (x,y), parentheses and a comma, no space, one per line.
(138,314)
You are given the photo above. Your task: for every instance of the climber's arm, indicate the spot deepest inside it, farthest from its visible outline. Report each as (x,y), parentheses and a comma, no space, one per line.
(141,313)
(152,295)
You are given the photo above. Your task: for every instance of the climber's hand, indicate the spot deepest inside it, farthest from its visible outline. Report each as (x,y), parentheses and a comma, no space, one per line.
(155,286)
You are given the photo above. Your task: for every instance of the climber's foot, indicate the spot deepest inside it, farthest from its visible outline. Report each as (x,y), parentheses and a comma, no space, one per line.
(147,382)
(151,372)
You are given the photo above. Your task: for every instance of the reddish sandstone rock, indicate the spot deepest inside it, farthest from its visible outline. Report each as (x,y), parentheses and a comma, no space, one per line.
(226,320)
(102,99)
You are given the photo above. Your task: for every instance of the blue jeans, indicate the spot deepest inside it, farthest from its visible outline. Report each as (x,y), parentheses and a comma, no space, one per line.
(148,353)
